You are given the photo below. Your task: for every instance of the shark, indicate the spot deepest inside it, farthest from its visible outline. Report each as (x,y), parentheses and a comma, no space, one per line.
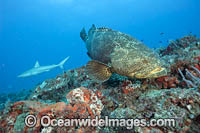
(37,69)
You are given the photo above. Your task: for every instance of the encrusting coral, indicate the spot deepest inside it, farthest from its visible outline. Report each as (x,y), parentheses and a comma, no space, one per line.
(83,103)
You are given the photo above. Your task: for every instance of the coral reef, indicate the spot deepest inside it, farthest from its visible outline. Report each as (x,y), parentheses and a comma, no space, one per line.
(74,95)
(6,99)
(83,103)
(195,81)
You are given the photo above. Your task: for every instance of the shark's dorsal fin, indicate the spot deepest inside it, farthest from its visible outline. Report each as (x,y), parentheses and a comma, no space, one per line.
(37,64)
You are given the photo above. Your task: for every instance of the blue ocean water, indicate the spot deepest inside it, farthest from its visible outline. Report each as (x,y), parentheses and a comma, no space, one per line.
(48,31)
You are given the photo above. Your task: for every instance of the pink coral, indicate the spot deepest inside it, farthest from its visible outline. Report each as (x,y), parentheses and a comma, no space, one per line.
(129,87)
(167,82)
(83,95)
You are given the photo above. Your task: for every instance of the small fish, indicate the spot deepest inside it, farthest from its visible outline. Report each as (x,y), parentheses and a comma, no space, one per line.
(161,33)
(116,52)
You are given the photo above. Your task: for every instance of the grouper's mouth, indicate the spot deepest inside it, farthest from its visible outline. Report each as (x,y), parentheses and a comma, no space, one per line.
(157,72)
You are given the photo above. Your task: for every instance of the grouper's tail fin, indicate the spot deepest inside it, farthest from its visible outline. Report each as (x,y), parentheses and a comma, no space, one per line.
(98,71)
(63,62)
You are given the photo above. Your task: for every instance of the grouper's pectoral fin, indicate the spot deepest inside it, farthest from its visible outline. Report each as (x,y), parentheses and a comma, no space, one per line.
(98,71)
(89,54)
(83,35)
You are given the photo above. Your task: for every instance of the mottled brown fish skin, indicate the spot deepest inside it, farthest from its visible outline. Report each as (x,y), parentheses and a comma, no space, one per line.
(124,54)
(132,63)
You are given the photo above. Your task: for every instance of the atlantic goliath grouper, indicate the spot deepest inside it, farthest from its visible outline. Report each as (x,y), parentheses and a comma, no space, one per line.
(116,52)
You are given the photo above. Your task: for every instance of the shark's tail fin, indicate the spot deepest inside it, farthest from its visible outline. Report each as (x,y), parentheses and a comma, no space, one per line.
(63,62)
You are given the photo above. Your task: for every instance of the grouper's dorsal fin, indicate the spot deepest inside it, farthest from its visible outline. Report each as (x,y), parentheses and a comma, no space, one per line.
(92,29)
(37,64)
(104,29)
